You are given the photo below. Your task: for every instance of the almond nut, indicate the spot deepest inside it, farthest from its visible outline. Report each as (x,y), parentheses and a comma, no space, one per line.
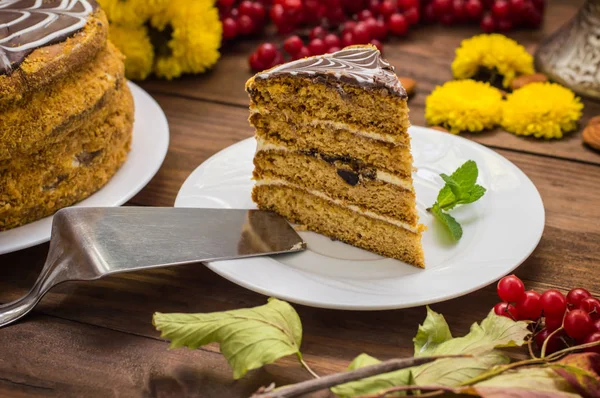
(594,120)
(524,80)
(591,134)
(409,85)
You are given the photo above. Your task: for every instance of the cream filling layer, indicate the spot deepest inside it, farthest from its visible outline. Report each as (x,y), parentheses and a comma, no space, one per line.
(356,209)
(263,145)
(341,126)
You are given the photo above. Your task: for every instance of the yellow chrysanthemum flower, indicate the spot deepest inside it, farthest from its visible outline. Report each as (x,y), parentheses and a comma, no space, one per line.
(132,12)
(495,54)
(134,43)
(461,105)
(195,37)
(544,110)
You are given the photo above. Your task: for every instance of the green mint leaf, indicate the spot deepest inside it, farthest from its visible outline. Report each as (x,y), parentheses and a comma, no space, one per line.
(465,176)
(460,188)
(446,198)
(431,333)
(249,338)
(451,224)
(456,189)
(473,195)
(482,340)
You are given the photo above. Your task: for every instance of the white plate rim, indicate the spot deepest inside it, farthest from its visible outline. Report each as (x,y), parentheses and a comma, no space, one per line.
(214,266)
(147,112)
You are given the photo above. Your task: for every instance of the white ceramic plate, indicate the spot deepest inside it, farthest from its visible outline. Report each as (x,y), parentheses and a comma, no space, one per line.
(500,232)
(148,149)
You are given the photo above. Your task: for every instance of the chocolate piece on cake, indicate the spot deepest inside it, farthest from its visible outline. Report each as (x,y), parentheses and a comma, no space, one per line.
(333,152)
(66,113)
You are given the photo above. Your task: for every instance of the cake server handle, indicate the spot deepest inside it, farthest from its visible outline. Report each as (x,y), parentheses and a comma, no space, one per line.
(52,274)
(89,243)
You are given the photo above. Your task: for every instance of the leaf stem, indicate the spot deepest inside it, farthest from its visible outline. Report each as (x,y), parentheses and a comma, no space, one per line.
(533,361)
(529,346)
(564,351)
(335,379)
(543,354)
(432,393)
(501,369)
(308,368)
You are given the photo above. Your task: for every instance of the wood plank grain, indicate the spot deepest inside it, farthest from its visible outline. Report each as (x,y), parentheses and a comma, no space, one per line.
(96,338)
(199,129)
(425,56)
(70,359)
(88,357)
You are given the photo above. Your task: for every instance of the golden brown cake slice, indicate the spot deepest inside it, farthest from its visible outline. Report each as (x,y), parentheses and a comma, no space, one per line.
(333,152)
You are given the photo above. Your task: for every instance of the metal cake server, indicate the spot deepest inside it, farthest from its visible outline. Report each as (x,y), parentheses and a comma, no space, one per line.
(89,243)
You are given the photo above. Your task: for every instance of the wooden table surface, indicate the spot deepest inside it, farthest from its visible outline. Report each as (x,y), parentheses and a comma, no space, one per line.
(96,338)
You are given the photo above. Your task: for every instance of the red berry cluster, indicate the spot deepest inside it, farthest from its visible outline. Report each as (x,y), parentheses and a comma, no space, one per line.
(250,16)
(247,18)
(266,56)
(287,15)
(340,23)
(563,320)
(370,25)
(492,15)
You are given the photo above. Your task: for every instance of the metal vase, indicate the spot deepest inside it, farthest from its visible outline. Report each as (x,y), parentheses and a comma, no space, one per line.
(571,55)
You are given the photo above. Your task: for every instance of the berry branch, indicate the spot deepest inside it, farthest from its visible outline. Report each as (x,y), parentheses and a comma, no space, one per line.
(476,355)
(345,377)
(559,321)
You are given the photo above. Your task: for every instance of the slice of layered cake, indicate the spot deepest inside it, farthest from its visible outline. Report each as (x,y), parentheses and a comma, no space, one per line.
(333,153)
(66,113)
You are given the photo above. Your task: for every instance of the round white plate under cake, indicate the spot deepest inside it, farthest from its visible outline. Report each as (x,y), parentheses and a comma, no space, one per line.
(500,232)
(148,149)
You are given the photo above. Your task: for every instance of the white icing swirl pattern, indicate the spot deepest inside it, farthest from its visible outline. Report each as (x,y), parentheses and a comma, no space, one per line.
(361,65)
(29,24)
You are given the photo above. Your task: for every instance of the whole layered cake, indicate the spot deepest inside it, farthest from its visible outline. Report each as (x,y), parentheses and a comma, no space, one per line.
(333,151)
(66,113)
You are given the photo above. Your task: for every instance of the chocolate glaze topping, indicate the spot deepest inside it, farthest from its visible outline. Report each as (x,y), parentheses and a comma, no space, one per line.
(359,66)
(29,24)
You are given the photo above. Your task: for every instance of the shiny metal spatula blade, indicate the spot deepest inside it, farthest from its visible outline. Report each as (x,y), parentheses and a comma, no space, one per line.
(89,243)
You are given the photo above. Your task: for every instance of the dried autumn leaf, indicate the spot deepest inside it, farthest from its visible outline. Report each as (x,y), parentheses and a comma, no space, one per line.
(249,338)
(372,384)
(529,382)
(582,371)
(493,332)
(432,332)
